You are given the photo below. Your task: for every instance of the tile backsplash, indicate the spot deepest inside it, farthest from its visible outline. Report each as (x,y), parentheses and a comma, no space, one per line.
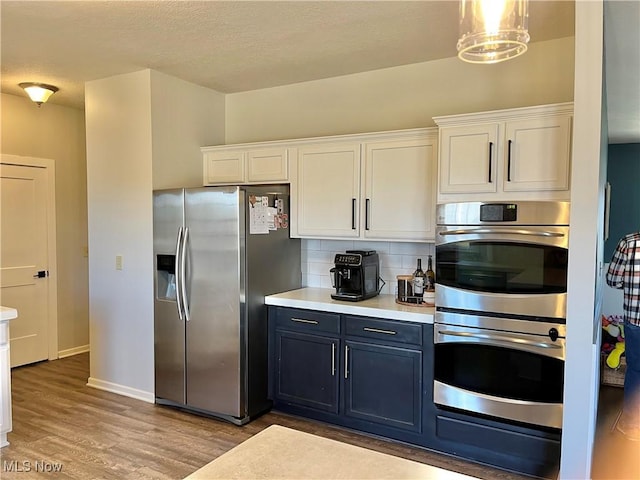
(396,258)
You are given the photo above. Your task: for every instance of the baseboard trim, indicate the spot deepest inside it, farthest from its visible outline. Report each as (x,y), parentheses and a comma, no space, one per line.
(148,397)
(69,352)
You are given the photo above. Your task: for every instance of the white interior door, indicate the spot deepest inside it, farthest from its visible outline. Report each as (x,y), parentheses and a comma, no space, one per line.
(24,260)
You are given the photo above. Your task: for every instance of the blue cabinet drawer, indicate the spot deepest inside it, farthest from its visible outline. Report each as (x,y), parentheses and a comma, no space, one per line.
(307,320)
(536,454)
(385,330)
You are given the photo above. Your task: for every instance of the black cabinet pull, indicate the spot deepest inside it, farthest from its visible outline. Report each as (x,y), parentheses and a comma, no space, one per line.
(353,214)
(333,359)
(509,162)
(366,215)
(379,330)
(490,159)
(303,320)
(346,361)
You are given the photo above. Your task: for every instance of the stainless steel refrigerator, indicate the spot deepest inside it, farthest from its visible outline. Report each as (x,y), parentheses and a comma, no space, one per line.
(217,252)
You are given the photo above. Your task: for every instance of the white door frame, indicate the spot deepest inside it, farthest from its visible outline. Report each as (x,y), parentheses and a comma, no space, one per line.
(52,308)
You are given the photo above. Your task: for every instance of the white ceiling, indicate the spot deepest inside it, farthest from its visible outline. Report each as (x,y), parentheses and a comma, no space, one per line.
(234,46)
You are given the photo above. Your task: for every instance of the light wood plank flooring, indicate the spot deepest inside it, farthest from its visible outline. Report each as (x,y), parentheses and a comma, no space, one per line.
(59,422)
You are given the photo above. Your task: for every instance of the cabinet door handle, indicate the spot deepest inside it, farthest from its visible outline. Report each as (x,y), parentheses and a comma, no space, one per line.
(346,361)
(366,214)
(509,162)
(490,159)
(353,214)
(302,320)
(333,359)
(378,330)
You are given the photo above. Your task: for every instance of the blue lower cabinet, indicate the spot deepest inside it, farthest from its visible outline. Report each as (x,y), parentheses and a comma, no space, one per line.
(376,375)
(383,385)
(512,447)
(307,370)
(358,372)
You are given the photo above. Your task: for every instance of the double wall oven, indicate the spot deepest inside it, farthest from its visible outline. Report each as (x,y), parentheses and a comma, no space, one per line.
(501,290)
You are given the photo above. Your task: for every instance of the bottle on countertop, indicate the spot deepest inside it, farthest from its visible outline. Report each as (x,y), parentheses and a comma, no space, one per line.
(419,279)
(430,281)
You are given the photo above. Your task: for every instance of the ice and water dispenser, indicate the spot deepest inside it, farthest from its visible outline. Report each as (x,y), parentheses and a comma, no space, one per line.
(166,277)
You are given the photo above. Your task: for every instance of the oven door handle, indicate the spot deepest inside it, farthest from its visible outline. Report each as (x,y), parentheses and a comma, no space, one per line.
(490,231)
(494,338)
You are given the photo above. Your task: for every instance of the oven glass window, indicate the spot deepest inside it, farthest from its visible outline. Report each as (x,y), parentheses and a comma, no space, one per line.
(502,267)
(500,372)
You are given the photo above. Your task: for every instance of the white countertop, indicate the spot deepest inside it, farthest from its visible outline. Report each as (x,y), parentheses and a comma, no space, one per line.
(7,313)
(382,306)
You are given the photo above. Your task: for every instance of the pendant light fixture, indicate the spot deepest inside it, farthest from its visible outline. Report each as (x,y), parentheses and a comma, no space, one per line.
(492,31)
(38,92)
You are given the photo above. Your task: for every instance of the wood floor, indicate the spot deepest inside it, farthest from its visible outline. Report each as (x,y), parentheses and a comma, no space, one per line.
(64,429)
(614,457)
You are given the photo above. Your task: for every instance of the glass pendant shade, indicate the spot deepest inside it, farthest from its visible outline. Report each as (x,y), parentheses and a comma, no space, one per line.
(38,92)
(492,31)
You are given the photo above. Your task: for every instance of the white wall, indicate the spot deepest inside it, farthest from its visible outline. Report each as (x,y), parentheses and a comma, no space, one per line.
(185,118)
(144,130)
(585,248)
(119,185)
(58,133)
(402,97)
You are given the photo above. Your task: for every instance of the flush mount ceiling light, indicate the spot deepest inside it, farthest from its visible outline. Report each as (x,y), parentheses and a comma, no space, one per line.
(492,31)
(38,92)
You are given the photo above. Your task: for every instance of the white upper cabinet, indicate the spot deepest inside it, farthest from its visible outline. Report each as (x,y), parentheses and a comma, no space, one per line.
(268,165)
(538,154)
(522,153)
(256,163)
(399,189)
(467,159)
(371,186)
(221,167)
(328,191)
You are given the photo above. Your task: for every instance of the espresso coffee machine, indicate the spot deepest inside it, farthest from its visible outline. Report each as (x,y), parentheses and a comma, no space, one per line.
(356,275)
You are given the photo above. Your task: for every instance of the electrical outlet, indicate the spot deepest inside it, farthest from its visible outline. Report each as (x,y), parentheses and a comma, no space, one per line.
(118,262)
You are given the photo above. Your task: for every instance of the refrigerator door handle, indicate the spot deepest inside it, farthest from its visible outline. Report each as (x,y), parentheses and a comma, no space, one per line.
(177,274)
(183,275)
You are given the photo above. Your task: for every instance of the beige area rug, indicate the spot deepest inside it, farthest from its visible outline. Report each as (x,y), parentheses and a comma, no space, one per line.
(282,453)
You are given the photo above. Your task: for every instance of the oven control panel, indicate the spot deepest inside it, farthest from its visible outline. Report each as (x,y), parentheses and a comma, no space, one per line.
(498,212)
(548,213)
